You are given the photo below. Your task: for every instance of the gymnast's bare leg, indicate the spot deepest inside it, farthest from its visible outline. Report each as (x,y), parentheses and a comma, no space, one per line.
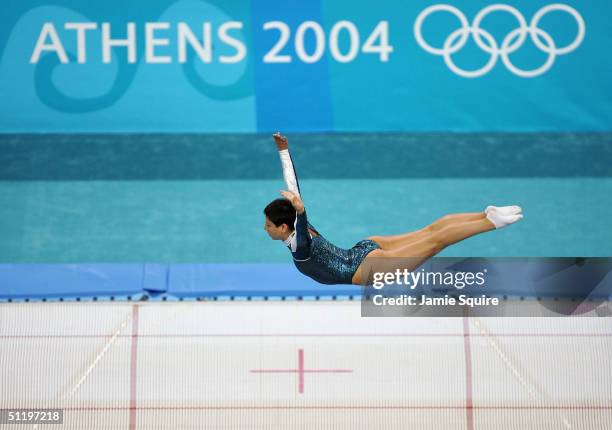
(410,250)
(398,241)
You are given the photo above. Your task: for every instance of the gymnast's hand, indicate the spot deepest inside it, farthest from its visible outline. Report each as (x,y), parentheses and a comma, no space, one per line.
(281,141)
(296,202)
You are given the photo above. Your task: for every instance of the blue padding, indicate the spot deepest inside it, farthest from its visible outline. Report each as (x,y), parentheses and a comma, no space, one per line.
(20,281)
(534,277)
(155,277)
(529,277)
(248,280)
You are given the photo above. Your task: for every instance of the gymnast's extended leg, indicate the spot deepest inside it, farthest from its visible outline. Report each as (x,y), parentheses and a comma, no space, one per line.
(417,247)
(400,240)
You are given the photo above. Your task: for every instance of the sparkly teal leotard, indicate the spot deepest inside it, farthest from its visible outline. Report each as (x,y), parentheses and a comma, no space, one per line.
(314,256)
(321,260)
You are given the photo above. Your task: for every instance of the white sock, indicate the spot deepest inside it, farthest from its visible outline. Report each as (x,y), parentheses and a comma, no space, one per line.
(508,210)
(501,220)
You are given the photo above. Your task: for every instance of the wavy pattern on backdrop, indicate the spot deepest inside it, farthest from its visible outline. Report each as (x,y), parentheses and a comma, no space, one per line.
(225,66)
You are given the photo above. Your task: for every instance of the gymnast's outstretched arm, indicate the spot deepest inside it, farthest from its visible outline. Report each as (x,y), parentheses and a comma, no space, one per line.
(287,163)
(301,241)
(289,173)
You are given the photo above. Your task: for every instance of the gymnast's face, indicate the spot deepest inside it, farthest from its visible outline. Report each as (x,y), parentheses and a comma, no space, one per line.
(276,233)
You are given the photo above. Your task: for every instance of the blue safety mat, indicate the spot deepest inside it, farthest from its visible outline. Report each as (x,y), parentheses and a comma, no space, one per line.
(137,281)
(248,280)
(540,278)
(72,281)
(514,277)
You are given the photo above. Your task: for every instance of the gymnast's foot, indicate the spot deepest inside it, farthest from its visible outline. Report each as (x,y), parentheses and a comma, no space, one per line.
(506,210)
(504,216)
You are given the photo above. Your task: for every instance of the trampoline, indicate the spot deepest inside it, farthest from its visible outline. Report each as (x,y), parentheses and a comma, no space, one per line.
(301,364)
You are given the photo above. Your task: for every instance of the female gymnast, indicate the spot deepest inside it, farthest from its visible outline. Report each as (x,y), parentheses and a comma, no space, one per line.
(325,263)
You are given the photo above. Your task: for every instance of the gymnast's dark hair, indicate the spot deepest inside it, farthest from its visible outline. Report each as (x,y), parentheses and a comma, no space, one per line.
(280,211)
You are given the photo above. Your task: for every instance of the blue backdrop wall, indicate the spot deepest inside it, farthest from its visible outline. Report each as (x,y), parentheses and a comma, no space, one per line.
(239,66)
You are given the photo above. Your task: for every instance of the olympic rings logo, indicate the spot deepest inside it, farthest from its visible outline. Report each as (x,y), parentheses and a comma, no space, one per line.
(511,43)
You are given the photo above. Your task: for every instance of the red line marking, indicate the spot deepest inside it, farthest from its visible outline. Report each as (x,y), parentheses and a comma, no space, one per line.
(300,371)
(303,371)
(212,335)
(339,407)
(469,405)
(133,368)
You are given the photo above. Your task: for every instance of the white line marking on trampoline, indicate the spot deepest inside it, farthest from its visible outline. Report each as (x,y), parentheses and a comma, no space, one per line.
(529,387)
(106,347)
